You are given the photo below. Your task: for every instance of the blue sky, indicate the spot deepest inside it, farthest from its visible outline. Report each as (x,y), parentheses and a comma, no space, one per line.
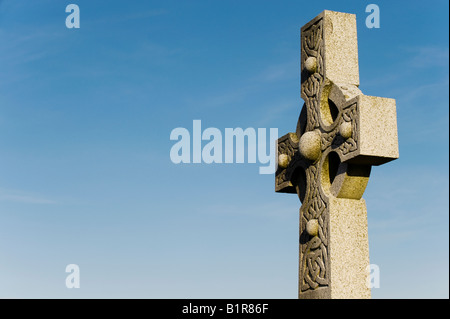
(85,172)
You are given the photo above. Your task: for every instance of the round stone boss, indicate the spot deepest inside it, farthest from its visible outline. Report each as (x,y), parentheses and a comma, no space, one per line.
(312,227)
(310,145)
(311,64)
(283,160)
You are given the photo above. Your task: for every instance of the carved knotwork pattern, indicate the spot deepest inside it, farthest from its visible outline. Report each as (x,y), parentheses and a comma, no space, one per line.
(313,251)
(287,145)
(337,142)
(312,46)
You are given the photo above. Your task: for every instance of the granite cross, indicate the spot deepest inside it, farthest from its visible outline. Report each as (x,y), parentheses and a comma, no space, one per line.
(341,133)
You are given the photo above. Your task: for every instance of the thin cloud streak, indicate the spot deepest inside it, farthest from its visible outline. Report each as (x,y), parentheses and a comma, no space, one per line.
(21,197)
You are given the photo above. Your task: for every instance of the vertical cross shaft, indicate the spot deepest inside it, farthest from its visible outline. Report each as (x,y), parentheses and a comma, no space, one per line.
(340,134)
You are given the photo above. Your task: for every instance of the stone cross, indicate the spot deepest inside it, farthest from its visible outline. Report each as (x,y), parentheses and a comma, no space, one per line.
(341,133)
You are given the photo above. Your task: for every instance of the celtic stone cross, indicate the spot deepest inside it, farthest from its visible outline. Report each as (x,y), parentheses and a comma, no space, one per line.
(341,133)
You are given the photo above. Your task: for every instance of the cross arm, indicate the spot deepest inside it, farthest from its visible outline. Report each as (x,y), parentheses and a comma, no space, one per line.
(373,130)
(288,162)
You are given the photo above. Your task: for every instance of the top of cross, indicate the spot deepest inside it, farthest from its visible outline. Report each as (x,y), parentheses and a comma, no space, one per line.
(337,118)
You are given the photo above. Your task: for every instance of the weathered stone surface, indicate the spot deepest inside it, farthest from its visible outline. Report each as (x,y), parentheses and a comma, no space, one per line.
(309,145)
(283,160)
(341,47)
(349,249)
(345,129)
(340,135)
(312,227)
(311,64)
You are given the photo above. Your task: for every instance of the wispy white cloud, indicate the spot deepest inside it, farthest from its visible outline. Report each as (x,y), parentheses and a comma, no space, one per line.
(406,202)
(428,56)
(112,18)
(145,14)
(415,59)
(251,85)
(279,72)
(278,209)
(23,197)
(270,113)
(22,47)
(435,89)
